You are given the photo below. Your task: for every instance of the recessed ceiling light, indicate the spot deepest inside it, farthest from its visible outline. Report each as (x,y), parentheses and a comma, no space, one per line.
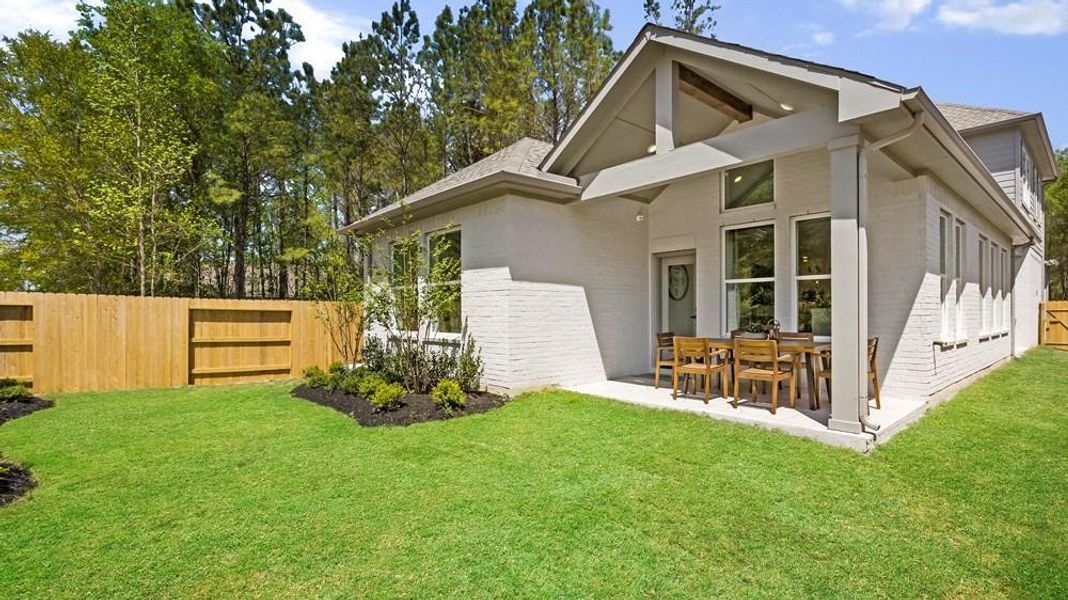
(651,148)
(738,179)
(786,107)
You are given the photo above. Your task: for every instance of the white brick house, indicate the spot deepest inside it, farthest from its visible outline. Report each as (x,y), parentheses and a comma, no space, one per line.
(758,183)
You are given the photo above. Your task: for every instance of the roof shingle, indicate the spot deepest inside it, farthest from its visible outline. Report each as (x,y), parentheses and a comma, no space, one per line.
(963,117)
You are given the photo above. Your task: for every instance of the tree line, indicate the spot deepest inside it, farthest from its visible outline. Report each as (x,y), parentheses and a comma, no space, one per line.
(172,148)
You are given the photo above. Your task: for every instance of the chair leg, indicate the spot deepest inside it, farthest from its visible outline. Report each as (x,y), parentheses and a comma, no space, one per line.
(708,384)
(793,389)
(674,384)
(734,398)
(875,385)
(774,396)
(753,389)
(814,396)
(723,379)
(656,375)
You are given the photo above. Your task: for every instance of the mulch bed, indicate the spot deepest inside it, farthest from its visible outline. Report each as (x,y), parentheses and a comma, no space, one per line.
(15,481)
(416,408)
(20,407)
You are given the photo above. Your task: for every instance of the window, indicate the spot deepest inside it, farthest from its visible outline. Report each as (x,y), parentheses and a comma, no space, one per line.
(749,185)
(1006,273)
(944,276)
(812,275)
(1029,174)
(993,289)
(404,279)
(958,279)
(983,283)
(444,260)
(749,276)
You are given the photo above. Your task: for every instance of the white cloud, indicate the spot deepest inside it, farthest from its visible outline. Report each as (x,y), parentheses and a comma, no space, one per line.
(821,37)
(1023,17)
(324,32)
(893,15)
(57,17)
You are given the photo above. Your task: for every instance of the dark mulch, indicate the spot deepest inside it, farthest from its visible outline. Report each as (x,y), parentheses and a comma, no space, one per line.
(417,408)
(20,407)
(15,481)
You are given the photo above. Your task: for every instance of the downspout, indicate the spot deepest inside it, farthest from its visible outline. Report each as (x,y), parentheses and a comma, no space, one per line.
(918,119)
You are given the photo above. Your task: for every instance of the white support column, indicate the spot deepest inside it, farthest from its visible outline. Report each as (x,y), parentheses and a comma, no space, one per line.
(849,283)
(667,94)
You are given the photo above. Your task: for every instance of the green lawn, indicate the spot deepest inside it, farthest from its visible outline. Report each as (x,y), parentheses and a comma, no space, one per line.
(246,491)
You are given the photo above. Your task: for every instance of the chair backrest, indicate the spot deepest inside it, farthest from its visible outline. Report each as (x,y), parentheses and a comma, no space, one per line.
(691,349)
(873,349)
(665,339)
(756,351)
(796,336)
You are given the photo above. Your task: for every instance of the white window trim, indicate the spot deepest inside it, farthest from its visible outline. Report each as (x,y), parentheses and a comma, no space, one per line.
(795,278)
(947,332)
(984,285)
(723,266)
(960,265)
(437,334)
(723,187)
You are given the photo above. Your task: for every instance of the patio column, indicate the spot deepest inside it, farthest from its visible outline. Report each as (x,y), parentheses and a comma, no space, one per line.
(667,86)
(849,282)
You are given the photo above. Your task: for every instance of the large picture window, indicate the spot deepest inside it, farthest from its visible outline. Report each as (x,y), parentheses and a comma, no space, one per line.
(444,254)
(749,185)
(749,276)
(958,281)
(984,285)
(404,279)
(813,276)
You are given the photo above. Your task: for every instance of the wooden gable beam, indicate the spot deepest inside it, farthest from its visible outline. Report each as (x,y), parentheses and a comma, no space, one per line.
(703,90)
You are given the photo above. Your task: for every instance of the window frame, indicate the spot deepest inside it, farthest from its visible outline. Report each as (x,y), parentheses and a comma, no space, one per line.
(796,278)
(725,281)
(427,243)
(960,245)
(723,186)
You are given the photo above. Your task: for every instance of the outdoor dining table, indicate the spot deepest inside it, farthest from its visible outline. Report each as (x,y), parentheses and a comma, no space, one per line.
(792,347)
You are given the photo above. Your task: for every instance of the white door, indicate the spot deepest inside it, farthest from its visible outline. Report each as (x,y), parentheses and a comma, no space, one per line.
(678,291)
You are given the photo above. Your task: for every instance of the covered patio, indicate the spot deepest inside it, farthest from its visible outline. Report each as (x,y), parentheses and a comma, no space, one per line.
(802,421)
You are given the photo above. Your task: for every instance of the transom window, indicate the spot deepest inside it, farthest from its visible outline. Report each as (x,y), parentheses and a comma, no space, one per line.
(813,276)
(749,276)
(749,185)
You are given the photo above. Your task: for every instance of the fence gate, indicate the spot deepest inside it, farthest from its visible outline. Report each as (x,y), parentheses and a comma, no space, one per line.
(1054,327)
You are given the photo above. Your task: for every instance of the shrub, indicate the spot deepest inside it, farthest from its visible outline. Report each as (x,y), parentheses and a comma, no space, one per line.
(387,396)
(350,383)
(383,359)
(369,384)
(335,374)
(314,377)
(10,390)
(448,395)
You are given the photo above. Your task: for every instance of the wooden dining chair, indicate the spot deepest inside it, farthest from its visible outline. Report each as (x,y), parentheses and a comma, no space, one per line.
(759,360)
(662,345)
(804,337)
(822,365)
(694,357)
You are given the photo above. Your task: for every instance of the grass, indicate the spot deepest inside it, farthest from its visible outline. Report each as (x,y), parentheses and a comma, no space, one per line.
(244,491)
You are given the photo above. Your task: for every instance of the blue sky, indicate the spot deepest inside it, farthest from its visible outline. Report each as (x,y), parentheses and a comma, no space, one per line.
(1003,53)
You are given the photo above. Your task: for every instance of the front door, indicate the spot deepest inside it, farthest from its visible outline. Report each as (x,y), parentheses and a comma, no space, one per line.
(678,291)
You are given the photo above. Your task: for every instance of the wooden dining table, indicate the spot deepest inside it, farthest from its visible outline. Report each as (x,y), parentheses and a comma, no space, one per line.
(795,348)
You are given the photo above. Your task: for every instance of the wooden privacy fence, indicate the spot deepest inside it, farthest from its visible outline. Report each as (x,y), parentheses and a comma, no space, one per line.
(1053,328)
(75,342)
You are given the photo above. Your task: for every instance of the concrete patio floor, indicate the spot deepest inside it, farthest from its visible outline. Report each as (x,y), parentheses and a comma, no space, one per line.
(895,414)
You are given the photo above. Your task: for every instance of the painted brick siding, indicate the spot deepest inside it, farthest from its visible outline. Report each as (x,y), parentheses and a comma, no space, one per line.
(979,349)
(899,312)
(1029,291)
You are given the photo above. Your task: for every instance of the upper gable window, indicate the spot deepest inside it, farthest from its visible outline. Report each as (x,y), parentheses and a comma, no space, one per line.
(749,185)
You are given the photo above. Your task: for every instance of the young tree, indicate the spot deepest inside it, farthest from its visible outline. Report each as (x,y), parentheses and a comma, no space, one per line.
(1057,230)
(692,16)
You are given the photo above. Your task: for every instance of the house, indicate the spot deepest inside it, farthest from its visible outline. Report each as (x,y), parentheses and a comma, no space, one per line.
(709,185)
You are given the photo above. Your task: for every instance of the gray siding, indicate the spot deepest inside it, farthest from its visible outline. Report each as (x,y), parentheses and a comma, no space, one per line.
(1000,152)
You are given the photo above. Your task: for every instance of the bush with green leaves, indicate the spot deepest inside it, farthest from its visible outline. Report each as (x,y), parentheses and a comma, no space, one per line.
(335,373)
(314,377)
(387,396)
(460,361)
(369,384)
(12,390)
(449,395)
(350,383)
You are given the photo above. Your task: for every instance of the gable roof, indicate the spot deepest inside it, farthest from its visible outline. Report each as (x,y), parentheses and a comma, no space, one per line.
(964,117)
(517,163)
